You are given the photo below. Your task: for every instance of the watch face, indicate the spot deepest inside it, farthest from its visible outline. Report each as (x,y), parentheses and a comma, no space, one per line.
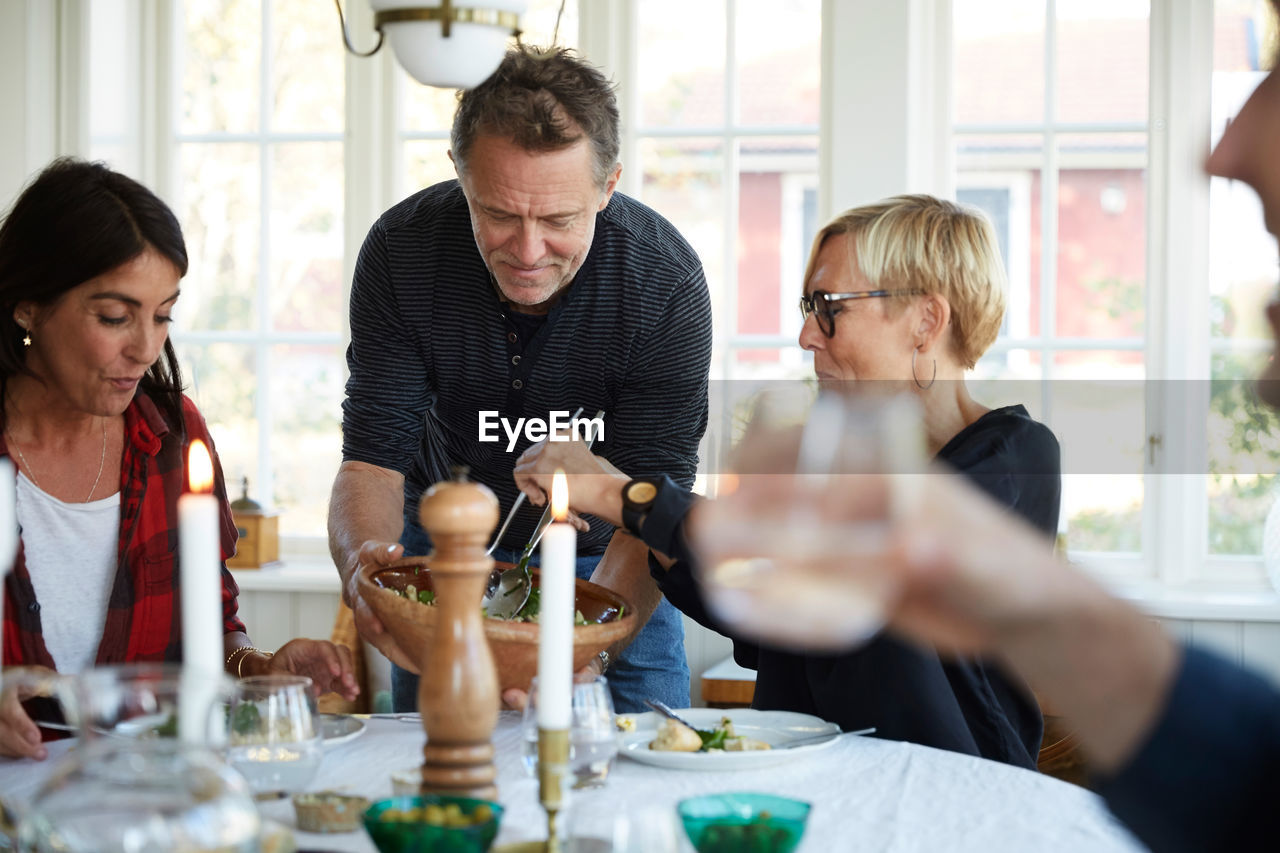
(641,492)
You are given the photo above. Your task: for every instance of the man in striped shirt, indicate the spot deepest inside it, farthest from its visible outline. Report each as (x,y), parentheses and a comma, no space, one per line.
(524,288)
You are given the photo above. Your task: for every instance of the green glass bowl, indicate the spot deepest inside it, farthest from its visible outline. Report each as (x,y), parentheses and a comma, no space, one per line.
(743,823)
(418,836)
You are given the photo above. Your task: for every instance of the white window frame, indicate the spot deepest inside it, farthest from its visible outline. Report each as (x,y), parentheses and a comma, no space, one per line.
(885,65)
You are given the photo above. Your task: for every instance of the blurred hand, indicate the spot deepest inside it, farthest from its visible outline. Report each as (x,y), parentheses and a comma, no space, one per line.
(595,485)
(368,624)
(19,736)
(973,576)
(955,569)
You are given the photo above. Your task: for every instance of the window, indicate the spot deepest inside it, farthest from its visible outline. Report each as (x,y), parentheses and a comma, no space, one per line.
(248,150)
(1078,125)
(722,127)
(1050,140)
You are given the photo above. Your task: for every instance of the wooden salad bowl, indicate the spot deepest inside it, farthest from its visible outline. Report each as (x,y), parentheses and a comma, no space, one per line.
(514,644)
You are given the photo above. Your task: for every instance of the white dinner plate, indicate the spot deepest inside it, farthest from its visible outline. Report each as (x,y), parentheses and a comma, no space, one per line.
(340,728)
(776,728)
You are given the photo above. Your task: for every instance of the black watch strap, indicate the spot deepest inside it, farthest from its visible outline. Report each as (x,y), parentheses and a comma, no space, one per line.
(637,497)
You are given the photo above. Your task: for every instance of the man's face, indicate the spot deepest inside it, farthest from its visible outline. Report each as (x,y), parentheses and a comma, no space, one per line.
(1248,153)
(533,215)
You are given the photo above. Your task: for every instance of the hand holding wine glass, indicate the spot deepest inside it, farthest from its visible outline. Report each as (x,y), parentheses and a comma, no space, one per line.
(795,550)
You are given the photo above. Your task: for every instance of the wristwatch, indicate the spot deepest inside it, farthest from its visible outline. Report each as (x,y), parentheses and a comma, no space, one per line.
(603,657)
(637,497)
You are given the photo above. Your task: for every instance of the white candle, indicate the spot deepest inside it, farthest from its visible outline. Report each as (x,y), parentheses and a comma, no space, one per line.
(555,619)
(200,556)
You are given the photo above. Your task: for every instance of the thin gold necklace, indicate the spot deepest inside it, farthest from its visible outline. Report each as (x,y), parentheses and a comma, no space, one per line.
(102,463)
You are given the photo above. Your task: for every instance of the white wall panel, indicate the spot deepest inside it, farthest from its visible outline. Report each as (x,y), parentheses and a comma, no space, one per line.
(1225,638)
(1262,647)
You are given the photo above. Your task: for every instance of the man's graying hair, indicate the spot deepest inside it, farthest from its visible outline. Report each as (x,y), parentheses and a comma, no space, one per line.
(543,99)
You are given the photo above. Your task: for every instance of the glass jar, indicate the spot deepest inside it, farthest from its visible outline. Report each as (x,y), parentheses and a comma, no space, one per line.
(141,796)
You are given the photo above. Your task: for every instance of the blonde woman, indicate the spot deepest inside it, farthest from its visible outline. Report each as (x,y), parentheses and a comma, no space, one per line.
(906,293)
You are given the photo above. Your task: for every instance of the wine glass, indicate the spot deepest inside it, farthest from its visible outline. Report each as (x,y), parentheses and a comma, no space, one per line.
(274,737)
(793,551)
(150,700)
(593,735)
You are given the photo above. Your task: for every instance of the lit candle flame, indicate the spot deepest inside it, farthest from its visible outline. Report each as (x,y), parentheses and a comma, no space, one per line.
(199,467)
(559,496)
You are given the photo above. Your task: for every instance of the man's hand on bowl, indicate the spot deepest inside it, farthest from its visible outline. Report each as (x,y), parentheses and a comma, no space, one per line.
(368,624)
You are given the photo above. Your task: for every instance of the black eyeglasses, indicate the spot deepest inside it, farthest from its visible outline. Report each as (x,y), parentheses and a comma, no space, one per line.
(819,304)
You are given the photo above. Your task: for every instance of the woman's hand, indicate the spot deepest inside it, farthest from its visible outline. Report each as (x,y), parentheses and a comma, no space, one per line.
(326,664)
(19,736)
(595,485)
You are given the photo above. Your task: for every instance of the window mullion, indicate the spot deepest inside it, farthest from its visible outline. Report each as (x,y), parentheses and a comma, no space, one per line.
(261,349)
(1049,212)
(157,114)
(1177,299)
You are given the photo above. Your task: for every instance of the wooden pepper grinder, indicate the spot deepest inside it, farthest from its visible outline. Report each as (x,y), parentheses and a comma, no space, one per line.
(458,691)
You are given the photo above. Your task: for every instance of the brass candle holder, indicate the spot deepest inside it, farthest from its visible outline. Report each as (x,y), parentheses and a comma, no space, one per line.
(553,781)
(553,793)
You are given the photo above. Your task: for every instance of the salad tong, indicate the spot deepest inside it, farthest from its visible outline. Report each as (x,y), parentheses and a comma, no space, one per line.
(508,591)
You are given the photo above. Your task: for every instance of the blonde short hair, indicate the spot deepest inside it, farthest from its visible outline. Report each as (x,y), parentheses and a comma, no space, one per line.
(919,242)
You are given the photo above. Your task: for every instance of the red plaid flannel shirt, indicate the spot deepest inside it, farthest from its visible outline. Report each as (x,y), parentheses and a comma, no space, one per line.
(144,608)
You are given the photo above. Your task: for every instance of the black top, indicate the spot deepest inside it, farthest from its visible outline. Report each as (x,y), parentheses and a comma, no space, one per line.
(433,346)
(905,691)
(1208,775)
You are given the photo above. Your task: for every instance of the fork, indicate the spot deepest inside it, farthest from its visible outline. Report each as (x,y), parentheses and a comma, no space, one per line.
(665,710)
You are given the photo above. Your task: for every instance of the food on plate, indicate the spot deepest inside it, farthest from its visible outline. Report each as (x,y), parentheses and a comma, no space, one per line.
(677,737)
(625,723)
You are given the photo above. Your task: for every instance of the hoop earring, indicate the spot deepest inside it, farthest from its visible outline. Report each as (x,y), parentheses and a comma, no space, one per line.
(932,378)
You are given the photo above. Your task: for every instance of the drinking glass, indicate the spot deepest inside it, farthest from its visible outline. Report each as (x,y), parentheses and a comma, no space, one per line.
(274,738)
(593,735)
(793,550)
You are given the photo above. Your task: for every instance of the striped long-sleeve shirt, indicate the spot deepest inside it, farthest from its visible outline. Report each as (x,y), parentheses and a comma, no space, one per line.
(431,348)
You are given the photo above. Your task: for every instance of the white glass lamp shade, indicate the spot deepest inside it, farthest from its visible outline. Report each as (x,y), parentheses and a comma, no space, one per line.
(464,58)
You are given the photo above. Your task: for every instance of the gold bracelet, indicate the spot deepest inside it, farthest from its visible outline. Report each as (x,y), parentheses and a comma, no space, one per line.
(243,652)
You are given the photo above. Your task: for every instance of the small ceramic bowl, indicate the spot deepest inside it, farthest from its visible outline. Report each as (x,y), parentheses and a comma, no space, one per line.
(433,822)
(407,782)
(327,811)
(728,823)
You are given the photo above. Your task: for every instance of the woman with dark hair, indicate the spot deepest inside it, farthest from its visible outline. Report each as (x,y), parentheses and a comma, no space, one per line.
(96,424)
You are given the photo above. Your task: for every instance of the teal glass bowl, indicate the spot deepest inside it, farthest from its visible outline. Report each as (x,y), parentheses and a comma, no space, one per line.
(743,823)
(393,831)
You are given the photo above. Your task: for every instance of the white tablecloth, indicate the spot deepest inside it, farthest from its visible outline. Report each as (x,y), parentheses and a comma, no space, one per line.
(867,794)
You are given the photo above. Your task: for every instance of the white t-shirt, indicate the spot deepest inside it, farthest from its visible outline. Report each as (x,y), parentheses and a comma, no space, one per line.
(70,552)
